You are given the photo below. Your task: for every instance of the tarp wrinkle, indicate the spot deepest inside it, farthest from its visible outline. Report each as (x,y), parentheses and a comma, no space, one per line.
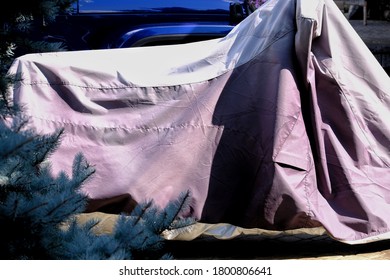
(280,125)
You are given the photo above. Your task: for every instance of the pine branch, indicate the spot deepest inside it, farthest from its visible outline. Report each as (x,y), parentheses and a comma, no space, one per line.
(33,203)
(76,202)
(172,211)
(15,149)
(32,209)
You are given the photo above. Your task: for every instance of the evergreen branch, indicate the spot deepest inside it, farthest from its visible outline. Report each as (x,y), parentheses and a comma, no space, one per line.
(86,177)
(64,202)
(33,209)
(81,166)
(19,125)
(182,202)
(53,141)
(13,170)
(19,146)
(143,242)
(6,81)
(171,212)
(16,205)
(140,211)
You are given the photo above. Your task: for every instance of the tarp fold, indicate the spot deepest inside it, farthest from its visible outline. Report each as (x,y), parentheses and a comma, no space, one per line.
(282,124)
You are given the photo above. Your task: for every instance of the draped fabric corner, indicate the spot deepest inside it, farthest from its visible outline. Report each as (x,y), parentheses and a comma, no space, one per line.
(282,124)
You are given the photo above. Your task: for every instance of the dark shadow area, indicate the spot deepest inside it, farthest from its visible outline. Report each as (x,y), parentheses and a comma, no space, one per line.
(275,248)
(243,168)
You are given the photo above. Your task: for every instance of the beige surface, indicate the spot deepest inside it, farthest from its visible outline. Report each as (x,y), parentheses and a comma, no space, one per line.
(205,241)
(380,255)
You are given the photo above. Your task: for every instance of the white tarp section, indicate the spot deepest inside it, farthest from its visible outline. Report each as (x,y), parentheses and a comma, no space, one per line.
(282,124)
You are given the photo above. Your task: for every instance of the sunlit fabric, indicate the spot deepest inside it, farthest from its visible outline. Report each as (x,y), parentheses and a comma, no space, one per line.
(282,124)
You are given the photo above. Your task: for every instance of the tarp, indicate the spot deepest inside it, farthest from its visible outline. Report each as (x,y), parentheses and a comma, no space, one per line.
(282,124)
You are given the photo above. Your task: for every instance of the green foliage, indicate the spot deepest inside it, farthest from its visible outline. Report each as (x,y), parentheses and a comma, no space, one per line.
(34,205)
(134,236)
(38,9)
(148,223)
(22,25)
(32,202)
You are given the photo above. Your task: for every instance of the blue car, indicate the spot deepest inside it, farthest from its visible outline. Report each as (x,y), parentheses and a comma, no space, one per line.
(98,24)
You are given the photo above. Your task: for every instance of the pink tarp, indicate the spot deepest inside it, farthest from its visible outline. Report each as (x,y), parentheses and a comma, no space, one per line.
(282,124)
